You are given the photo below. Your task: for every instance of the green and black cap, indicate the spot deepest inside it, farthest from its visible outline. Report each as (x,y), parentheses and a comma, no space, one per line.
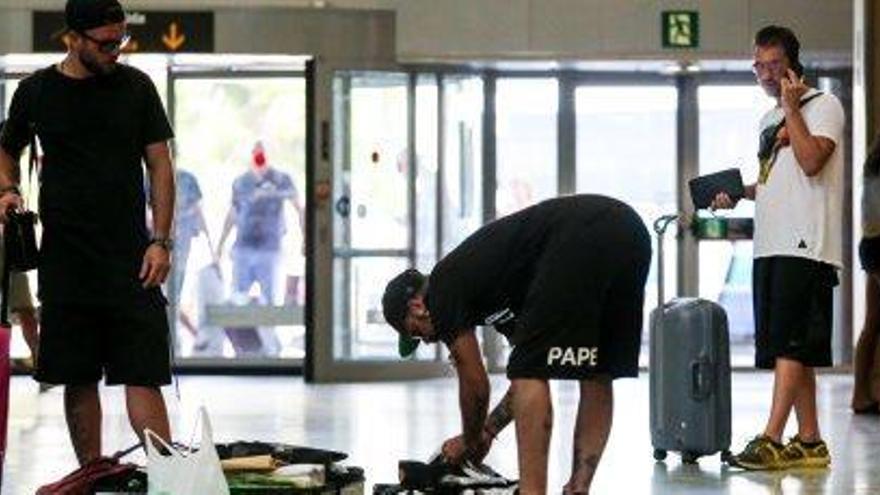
(395,303)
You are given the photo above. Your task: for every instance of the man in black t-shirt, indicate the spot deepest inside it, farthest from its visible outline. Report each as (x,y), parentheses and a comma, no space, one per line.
(564,282)
(103,313)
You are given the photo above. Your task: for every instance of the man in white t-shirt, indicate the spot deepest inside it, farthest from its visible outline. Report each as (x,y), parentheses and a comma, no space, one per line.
(798,248)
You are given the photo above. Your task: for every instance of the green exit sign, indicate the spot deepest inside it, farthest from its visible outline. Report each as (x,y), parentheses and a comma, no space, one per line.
(680,28)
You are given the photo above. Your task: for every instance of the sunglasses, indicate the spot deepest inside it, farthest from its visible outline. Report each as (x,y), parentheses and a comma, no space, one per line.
(108,46)
(773,67)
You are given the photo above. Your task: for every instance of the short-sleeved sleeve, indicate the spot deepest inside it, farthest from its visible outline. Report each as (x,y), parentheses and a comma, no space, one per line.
(156,128)
(288,186)
(826,118)
(446,305)
(16,132)
(195,190)
(189,192)
(238,194)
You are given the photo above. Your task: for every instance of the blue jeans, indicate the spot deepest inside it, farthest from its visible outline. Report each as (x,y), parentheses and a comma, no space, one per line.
(256,265)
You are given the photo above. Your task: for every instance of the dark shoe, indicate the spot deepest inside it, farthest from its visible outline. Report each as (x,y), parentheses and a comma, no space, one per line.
(873,408)
(760,454)
(45,387)
(797,454)
(22,365)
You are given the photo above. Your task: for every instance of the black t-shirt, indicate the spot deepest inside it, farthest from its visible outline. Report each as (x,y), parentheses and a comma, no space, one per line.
(486,279)
(93,133)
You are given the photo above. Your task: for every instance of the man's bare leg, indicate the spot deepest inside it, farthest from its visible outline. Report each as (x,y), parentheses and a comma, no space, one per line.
(593,425)
(805,407)
(533,414)
(146,409)
(30,330)
(82,408)
(867,348)
(788,378)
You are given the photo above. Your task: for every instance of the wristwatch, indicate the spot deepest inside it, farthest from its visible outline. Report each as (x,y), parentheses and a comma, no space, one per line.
(165,243)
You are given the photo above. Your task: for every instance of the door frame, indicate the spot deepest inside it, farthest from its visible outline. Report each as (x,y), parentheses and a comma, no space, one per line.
(321,365)
(223,365)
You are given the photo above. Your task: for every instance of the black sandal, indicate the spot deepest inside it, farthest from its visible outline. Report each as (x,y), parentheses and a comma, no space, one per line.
(871,409)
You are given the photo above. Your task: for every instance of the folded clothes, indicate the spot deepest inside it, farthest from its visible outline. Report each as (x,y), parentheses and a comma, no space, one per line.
(288,454)
(441,478)
(250,463)
(308,475)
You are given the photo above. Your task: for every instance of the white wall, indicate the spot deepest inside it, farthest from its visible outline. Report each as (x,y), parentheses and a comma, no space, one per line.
(453,30)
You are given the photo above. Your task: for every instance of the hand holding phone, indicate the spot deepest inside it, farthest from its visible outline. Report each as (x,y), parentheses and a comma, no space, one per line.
(792,88)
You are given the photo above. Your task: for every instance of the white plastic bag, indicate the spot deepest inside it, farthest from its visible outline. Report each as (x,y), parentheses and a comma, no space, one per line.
(193,473)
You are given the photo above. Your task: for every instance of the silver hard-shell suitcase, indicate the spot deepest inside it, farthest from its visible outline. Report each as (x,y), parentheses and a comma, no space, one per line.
(689,374)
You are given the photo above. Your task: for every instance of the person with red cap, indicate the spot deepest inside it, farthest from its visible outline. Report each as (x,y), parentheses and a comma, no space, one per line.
(99,124)
(257,214)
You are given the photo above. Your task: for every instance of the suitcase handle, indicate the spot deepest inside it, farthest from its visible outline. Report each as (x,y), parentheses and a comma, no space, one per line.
(660,226)
(701,379)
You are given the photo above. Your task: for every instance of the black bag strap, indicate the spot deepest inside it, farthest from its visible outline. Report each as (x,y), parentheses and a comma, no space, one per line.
(810,98)
(122,453)
(803,103)
(766,145)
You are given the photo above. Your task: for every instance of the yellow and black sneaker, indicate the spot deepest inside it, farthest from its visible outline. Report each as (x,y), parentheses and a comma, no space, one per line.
(760,454)
(800,454)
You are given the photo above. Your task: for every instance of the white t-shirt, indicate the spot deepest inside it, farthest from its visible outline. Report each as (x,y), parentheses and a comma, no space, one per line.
(796,215)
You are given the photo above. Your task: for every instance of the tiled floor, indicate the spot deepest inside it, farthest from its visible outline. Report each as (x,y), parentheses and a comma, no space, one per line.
(378,424)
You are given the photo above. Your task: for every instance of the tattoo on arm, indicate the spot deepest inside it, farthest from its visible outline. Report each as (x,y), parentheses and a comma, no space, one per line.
(501,416)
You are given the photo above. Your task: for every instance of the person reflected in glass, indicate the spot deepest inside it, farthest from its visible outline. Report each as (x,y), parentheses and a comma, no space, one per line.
(190,223)
(257,214)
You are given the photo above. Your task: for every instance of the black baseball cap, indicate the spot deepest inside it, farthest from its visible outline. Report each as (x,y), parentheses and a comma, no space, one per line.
(82,15)
(395,304)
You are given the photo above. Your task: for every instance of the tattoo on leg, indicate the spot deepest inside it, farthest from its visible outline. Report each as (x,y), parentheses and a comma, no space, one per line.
(590,463)
(583,469)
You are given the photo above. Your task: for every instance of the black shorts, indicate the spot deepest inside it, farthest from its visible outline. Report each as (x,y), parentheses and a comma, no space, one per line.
(128,344)
(582,315)
(793,305)
(869,254)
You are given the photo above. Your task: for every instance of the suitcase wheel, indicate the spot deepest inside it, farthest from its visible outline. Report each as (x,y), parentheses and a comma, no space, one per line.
(689,457)
(726,456)
(659,454)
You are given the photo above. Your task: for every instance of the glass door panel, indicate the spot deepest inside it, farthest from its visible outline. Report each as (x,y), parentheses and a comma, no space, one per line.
(373,213)
(240,156)
(729,119)
(461,201)
(427,168)
(526,142)
(374,173)
(625,141)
